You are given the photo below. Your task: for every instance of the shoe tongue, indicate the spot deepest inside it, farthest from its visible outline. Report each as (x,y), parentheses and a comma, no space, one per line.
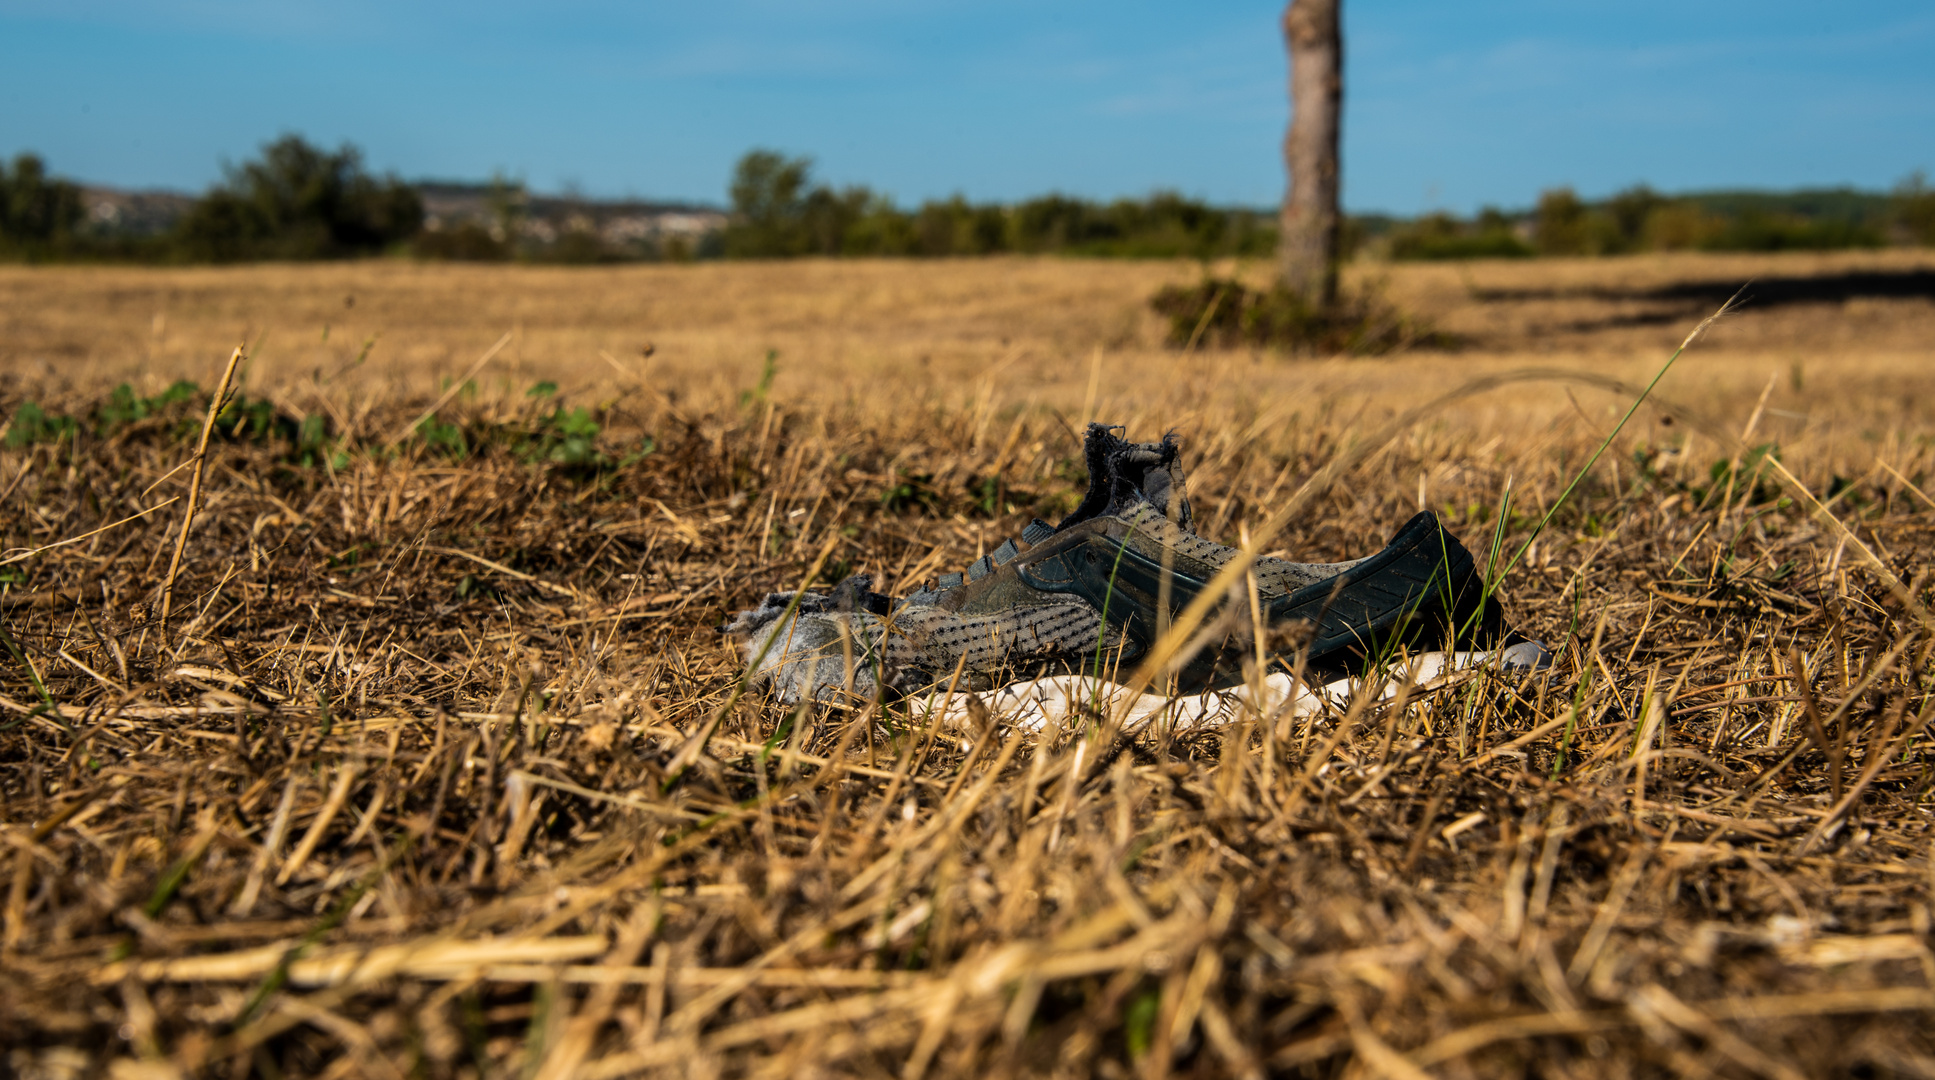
(1122,474)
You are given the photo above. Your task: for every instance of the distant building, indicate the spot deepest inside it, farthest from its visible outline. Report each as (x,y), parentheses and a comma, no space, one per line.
(628,227)
(112,212)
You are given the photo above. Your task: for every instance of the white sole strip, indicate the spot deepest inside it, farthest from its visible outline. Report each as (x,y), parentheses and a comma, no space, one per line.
(1061,700)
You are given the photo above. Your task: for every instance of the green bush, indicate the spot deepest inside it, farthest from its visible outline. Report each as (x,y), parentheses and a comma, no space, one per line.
(768,206)
(1627,217)
(300,202)
(580,247)
(1640,219)
(38,213)
(1678,225)
(1788,232)
(956,227)
(1562,227)
(778,212)
(1441,236)
(1915,210)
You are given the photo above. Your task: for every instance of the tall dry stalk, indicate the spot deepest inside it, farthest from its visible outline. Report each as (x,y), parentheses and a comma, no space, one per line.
(200,459)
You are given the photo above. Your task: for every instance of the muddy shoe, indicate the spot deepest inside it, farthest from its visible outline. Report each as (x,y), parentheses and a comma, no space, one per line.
(1095,592)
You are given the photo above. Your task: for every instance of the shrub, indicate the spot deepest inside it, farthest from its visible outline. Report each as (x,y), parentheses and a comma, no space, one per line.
(1680,226)
(1641,219)
(1054,222)
(1441,236)
(38,213)
(1227,313)
(1628,214)
(580,247)
(1915,209)
(1758,231)
(300,202)
(768,206)
(956,227)
(1561,228)
(777,212)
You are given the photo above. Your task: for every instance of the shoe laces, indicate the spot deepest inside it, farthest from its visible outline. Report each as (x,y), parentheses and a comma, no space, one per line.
(1036,531)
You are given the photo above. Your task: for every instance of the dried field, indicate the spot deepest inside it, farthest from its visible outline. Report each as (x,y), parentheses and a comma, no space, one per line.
(436,765)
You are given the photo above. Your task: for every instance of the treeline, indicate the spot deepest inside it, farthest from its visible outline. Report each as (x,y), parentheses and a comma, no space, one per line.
(39,214)
(778,211)
(294,202)
(1641,219)
(298,201)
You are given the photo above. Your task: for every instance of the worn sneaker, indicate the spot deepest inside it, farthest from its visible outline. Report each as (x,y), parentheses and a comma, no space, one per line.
(1098,590)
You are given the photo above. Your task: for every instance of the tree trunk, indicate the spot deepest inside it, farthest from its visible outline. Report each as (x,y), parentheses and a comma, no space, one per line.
(1308,249)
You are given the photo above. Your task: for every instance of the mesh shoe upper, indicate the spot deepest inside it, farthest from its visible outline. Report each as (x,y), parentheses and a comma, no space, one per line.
(1090,593)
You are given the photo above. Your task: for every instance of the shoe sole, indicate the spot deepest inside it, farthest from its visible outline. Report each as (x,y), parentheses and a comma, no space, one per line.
(1056,701)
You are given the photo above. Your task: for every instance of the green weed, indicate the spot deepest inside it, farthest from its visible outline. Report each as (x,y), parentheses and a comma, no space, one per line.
(123,407)
(33,424)
(444,438)
(767,371)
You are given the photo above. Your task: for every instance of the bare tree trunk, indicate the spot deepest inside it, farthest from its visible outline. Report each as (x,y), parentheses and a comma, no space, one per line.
(1311,224)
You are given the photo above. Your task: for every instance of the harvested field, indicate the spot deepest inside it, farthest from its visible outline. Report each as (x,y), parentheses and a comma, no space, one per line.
(436,765)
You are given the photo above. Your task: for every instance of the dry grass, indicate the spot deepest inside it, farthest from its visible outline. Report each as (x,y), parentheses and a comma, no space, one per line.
(437,768)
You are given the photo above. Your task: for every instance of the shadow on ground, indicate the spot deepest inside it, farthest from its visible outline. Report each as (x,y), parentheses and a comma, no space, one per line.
(1675,302)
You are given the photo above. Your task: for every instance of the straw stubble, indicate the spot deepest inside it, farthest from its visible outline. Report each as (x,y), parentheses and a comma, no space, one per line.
(464,781)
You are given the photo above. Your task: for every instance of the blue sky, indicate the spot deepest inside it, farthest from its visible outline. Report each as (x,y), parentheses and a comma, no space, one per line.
(1448,105)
